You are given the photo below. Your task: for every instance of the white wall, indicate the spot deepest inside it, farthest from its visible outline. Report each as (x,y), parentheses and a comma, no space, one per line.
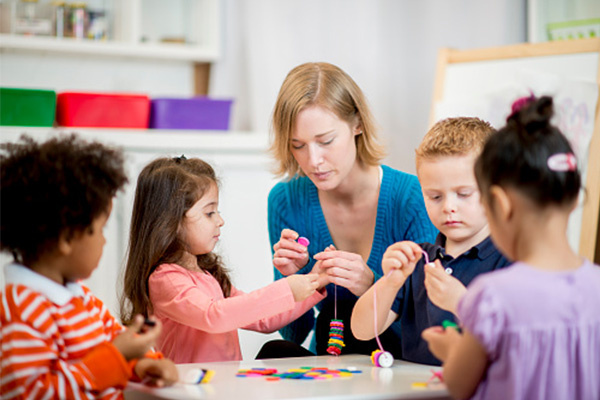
(64,72)
(389,47)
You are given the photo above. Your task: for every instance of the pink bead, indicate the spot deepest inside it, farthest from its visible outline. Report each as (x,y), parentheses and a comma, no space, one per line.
(303,241)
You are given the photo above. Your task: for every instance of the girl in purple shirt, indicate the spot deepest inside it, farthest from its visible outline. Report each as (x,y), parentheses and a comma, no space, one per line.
(531,331)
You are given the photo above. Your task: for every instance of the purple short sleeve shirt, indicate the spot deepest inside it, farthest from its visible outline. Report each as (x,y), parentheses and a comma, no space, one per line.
(540,329)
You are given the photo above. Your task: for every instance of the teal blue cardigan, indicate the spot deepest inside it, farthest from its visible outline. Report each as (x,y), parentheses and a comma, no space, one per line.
(401,215)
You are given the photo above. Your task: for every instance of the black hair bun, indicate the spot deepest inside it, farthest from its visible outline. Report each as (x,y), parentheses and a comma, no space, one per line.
(534,117)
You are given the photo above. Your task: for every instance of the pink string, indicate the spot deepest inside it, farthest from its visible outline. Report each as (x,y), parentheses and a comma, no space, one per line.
(426,256)
(334,301)
(375,306)
(436,374)
(375,320)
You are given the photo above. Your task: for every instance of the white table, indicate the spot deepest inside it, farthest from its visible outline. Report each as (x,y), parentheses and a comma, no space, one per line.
(373,383)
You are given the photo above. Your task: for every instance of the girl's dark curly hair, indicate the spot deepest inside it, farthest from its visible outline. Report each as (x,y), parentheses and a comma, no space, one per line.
(57,187)
(166,189)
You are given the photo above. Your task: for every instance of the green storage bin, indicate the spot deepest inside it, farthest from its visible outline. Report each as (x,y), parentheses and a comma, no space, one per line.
(27,107)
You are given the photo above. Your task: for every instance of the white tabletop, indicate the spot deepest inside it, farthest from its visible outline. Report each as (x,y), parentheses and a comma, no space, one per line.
(373,383)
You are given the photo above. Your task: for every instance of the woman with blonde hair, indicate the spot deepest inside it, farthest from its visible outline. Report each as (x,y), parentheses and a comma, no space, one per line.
(337,194)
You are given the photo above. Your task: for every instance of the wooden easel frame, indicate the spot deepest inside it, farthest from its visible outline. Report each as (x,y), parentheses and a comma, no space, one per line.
(589,242)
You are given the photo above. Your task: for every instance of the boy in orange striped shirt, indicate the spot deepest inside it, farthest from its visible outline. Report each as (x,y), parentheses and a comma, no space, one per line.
(58,339)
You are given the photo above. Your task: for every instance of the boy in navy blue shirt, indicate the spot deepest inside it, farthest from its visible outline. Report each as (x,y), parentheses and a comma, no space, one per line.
(419,294)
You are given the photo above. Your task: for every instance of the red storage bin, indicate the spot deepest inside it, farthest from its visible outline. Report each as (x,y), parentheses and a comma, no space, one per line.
(102,110)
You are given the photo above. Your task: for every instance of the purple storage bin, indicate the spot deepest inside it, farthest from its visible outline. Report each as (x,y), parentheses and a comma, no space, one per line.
(190,113)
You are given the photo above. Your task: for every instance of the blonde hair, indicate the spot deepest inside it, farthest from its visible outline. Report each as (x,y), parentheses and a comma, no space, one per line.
(454,136)
(325,85)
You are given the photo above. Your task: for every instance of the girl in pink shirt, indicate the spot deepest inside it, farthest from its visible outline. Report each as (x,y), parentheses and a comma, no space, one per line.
(173,274)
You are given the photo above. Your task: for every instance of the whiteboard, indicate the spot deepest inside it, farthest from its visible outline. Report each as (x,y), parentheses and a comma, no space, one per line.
(484,83)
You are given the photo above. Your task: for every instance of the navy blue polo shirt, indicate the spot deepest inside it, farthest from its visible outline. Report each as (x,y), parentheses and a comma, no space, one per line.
(416,312)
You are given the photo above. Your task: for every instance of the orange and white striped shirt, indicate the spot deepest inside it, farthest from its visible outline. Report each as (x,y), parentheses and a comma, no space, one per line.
(56,341)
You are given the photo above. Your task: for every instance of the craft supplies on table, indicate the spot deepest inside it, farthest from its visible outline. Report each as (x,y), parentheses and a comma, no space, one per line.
(306,373)
(197,376)
(371,383)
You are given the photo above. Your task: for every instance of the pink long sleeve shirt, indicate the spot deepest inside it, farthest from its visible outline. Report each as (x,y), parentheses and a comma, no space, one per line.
(200,324)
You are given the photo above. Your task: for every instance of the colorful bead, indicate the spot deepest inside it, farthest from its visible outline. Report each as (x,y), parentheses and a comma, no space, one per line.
(383,359)
(303,373)
(336,337)
(197,376)
(449,324)
(303,241)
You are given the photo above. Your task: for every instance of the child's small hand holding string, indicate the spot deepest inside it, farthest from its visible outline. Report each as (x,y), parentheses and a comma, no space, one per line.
(318,269)
(303,286)
(399,260)
(289,256)
(134,344)
(441,341)
(443,289)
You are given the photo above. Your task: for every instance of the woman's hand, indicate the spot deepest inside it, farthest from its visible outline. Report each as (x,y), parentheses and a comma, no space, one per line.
(137,339)
(443,289)
(289,256)
(402,256)
(346,269)
(156,373)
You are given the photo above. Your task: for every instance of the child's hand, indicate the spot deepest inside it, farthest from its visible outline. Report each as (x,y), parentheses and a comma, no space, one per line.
(395,278)
(402,256)
(443,289)
(303,286)
(322,272)
(134,344)
(440,340)
(289,256)
(156,373)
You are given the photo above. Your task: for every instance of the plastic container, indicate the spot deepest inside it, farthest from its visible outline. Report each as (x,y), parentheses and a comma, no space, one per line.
(190,113)
(102,110)
(27,107)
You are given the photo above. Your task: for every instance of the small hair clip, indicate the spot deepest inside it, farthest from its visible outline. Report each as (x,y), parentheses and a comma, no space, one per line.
(522,102)
(562,162)
(179,159)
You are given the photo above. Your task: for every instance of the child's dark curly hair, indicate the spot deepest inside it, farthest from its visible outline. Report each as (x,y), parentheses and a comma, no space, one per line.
(54,188)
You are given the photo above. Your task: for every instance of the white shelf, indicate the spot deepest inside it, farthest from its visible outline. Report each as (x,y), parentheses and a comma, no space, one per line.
(152,140)
(129,37)
(107,48)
